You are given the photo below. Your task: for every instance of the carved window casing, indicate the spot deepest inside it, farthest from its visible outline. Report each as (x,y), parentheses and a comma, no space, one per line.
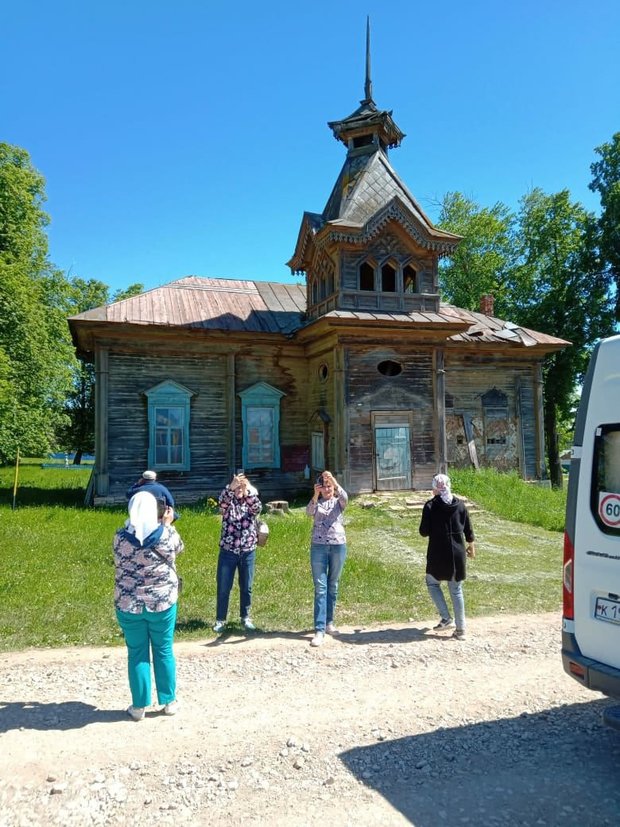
(260,415)
(169,417)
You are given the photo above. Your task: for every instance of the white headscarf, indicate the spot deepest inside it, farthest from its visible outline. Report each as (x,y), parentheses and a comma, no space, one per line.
(442,486)
(142,515)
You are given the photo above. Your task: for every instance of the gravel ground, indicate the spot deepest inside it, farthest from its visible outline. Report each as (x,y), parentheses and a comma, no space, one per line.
(381,726)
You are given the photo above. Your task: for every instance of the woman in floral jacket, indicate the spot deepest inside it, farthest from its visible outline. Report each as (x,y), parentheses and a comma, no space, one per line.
(239,506)
(145,596)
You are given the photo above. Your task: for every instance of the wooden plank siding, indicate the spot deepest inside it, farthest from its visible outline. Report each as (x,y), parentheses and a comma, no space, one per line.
(215,453)
(368,391)
(465,386)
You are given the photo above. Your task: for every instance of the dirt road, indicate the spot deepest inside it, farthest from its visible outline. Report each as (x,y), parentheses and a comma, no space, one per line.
(380,726)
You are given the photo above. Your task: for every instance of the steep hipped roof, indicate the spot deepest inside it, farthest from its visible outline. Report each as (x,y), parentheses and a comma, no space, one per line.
(367,194)
(255,307)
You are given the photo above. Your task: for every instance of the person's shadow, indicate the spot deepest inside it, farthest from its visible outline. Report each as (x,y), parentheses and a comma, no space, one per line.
(51,716)
(236,635)
(408,634)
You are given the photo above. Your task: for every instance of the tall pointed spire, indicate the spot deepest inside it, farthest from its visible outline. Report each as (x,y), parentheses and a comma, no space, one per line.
(368,128)
(368,82)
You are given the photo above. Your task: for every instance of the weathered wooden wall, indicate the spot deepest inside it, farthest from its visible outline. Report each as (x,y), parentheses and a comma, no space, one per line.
(468,378)
(367,390)
(215,452)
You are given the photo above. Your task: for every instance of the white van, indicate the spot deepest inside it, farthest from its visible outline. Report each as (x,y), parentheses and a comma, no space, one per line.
(591,574)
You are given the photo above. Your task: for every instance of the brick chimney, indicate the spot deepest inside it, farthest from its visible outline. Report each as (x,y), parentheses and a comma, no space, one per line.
(486,304)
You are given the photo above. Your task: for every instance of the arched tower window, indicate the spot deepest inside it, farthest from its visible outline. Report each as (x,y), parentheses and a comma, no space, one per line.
(388,278)
(367,276)
(409,279)
(330,283)
(315,291)
(323,288)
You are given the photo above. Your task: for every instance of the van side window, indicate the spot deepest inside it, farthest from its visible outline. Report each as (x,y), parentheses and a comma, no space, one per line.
(605,500)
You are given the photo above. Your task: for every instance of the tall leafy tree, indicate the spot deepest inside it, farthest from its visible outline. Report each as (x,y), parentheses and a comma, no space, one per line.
(561,290)
(606,181)
(543,266)
(34,373)
(79,432)
(485,259)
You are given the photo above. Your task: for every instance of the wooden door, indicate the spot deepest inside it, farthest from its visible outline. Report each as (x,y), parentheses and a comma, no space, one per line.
(392,453)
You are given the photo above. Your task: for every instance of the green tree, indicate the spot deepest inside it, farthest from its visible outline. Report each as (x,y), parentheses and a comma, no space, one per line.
(562,290)
(78,434)
(606,181)
(34,373)
(484,260)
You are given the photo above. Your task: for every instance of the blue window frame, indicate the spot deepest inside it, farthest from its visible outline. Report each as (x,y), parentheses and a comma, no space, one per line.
(169,418)
(260,414)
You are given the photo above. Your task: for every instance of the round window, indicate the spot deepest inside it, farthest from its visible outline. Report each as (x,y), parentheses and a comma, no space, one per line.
(323,372)
(389,368)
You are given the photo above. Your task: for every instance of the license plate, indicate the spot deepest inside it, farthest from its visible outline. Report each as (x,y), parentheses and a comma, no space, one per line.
(607,609)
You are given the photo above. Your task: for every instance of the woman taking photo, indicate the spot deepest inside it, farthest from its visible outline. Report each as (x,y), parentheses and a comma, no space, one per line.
(328,551)
(240,506)
(145,597)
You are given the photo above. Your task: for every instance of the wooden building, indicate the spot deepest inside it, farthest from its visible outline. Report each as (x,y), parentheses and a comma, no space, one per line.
(362,370)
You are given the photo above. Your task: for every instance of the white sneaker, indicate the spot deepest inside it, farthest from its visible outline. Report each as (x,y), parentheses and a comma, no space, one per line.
(172,708)
(218,626)
(318,639)
(444,623)
(248,624)
(136,712)
(331,629)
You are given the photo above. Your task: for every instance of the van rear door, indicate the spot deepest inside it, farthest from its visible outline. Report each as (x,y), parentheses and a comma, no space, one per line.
(596,576)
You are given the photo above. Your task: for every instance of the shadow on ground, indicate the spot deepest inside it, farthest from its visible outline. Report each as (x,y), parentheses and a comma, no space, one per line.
(558,767)
(54,716)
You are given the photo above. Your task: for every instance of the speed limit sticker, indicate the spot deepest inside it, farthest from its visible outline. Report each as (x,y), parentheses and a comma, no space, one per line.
(609,509)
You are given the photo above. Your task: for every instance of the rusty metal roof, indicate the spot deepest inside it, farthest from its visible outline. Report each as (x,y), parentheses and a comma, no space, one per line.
(490,329)
(215,304)
(271,307)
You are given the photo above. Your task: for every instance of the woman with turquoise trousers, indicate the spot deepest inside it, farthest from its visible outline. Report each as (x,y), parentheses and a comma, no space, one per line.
(145,596)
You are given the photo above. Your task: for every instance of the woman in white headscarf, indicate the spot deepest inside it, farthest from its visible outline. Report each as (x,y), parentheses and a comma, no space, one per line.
(445,520)
(145,596)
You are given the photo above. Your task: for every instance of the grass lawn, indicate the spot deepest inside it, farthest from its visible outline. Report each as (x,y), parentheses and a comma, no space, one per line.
(56,580)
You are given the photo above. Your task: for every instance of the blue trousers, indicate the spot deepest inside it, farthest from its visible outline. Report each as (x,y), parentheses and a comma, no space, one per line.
(227,564)
(145,632)
(326,562)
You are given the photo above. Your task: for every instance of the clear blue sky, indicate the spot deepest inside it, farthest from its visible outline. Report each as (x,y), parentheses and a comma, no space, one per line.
(187,138)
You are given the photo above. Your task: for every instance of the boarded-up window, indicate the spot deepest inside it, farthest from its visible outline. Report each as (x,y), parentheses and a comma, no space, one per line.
(318,451)
(495,409)
(260,436)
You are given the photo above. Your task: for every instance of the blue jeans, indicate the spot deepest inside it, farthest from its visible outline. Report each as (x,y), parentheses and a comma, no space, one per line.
(456,594)
(326,562)
(227,565)
(145,632)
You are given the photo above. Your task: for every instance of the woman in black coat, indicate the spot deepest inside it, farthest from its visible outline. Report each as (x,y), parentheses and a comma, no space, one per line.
(445,520)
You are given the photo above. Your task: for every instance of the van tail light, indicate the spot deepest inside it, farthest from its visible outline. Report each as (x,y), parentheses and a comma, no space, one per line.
(567,578)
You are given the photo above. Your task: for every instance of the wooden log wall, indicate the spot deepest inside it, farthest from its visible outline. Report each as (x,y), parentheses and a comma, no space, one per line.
(367,390)
(215,452)
(466,383)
